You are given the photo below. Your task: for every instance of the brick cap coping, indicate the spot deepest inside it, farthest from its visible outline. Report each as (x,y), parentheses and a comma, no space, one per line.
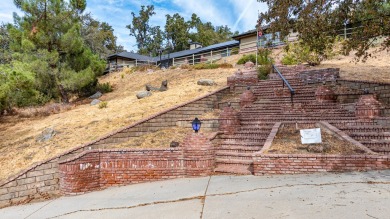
(118,150)
(367,82)
(270,138)
(11,178)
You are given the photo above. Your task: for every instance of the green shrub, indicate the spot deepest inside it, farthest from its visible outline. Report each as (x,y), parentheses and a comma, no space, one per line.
(103,104)
(263,57)
(246,58)
(104,88)
(299,52)
(263,71)
(289,59)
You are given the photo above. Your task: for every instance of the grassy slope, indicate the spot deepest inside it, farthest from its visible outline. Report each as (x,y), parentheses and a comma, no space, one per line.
(19,149)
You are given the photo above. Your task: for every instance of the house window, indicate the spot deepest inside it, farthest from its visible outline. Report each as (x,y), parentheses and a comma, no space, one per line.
(267,41)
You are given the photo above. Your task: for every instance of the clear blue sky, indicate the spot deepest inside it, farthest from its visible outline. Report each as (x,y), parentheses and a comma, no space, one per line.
(239,15)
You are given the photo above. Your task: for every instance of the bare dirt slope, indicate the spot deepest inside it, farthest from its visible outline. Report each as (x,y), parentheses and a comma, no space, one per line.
(19,148)
(374,69)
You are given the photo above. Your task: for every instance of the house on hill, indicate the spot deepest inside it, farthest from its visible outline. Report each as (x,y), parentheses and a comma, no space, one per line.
(119,60)
(248,40)
(196,54)
(244,43)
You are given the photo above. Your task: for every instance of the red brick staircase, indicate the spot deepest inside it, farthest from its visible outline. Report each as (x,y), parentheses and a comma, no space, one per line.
(234,154)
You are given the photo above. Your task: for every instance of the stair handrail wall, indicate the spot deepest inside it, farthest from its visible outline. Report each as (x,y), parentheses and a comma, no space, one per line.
(285,82)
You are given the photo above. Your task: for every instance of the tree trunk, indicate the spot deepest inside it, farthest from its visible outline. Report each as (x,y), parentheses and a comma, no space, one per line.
(64,94)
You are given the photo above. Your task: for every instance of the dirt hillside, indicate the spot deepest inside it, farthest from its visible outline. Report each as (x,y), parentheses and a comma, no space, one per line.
(19,148)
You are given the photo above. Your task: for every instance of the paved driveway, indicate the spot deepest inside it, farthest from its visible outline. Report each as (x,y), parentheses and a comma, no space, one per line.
(326,195)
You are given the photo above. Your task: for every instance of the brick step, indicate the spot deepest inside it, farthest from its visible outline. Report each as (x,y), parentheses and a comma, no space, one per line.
(245,135)
(238,149)
(379,146)
(271,112)
(233,161)
(238,169)
(305,119)
(355,123)
(241,144)
(234,155)
(272,103)
(249,120)
(254,132)
(298,114)
(370,135)
(257,139)
(376,128)
(269,92)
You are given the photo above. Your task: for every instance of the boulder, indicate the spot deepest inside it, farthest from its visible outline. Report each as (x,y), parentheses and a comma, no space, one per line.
(97,95)
(175,144)
(46,135)
(95,102)
(206,82)
(163,87)
(249,65)
(143,94)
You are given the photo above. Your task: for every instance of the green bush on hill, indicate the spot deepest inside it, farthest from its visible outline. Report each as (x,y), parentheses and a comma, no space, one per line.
(298,52)
(246,58)
(263,57)
(104,87)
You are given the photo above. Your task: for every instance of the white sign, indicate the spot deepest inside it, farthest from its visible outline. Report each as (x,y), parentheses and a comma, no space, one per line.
(311,136)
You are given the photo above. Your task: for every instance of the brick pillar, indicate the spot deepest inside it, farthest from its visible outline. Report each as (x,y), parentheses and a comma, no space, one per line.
(229,121)
(80,175)
(325,95)
(368,107)
(247,98)
(199,156)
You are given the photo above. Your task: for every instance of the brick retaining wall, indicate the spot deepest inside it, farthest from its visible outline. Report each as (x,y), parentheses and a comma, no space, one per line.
(41,181)
(96,169)
(283,163)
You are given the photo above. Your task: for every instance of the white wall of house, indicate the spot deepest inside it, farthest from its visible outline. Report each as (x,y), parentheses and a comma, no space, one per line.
(248,44)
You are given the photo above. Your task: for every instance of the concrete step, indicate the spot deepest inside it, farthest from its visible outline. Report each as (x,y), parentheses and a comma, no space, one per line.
(234,169)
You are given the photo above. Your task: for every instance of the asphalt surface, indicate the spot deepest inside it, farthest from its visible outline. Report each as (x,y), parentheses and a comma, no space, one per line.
(323,195)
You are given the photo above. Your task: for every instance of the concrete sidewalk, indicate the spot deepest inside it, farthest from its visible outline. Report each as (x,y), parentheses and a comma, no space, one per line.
(327,195)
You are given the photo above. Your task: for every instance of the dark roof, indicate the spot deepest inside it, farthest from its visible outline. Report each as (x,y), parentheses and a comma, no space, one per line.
(197,50)
(249,33)
(183,53)
(220,45)
(131,55)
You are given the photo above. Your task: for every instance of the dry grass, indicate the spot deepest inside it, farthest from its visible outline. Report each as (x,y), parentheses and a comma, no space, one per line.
(159,139)
(19,149)
(288,141)
(374,69)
